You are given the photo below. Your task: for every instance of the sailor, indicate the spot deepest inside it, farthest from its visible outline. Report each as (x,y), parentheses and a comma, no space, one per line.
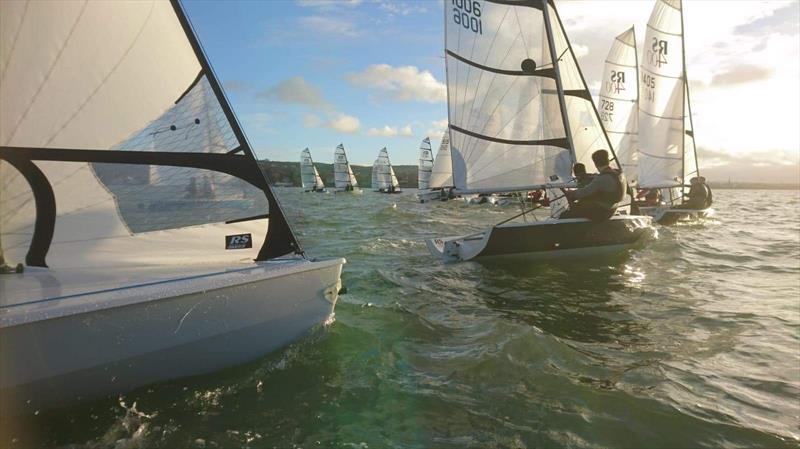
(697,195)
(709,194)
(583,178)
(598,201)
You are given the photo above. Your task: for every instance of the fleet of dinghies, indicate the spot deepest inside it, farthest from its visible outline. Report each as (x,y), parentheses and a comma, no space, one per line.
(138,204)
(154,246)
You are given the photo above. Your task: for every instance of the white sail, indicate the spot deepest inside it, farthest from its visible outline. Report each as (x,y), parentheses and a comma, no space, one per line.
(344,178)
(619,96)
(442,172)
(515,118)
(102,83)
(383,175)
(309,176)
(318,180)
(425,164)
(666,136)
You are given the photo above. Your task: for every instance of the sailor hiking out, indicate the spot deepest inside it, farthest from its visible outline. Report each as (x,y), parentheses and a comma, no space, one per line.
(599,199)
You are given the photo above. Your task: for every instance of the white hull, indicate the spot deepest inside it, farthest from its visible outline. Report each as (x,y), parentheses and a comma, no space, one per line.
(61,350)
(545,239)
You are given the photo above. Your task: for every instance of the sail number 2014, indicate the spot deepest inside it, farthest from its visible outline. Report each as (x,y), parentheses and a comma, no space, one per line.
(467,13)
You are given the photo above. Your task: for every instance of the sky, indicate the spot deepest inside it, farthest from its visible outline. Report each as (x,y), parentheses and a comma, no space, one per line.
(370,73)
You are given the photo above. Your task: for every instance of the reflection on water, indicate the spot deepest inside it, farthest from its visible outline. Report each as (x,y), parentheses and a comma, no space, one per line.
(688,342)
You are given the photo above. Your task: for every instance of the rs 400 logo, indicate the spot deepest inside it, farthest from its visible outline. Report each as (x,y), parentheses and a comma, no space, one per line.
(238,241)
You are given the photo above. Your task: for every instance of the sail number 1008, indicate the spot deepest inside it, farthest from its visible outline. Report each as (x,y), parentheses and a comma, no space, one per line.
(467,13)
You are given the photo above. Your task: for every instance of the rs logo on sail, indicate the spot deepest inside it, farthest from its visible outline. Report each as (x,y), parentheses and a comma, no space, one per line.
(617,83)
(658,52)
(238,241)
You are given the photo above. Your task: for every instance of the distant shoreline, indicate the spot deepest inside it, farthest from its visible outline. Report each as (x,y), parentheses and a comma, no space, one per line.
(288,173)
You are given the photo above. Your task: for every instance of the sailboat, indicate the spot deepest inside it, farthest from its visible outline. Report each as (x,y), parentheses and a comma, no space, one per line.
(383,178)
(309,176)
(667,154)
(344,179)
(520,115)
(97,97)
(619,102)
(441,179)
(425,167)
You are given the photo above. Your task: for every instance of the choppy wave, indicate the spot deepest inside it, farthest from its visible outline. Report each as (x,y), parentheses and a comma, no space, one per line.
(688,342)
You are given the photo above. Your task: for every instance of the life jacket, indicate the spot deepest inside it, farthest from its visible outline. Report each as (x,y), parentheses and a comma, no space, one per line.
(609,200)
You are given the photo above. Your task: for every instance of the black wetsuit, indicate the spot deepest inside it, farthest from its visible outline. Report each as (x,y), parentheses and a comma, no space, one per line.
(698,195)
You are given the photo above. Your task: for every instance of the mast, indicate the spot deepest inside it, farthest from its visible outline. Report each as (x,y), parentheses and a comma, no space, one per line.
(583,80)
(683,106)
(688,101)
(280,239)
(554,59)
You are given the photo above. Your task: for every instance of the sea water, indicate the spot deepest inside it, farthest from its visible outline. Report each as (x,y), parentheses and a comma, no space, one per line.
(691,341)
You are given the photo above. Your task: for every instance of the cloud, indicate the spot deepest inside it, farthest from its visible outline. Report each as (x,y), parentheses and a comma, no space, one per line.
(741,74)
(580,50)
(781,21)
(327,4)
(404,83)
(391,131)
(342,123)
(395,7)
(236,86)
(772,167)
(294,91)
(329,26)
(438,127)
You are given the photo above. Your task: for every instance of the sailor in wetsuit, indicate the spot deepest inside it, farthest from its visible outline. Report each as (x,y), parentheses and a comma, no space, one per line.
(583,178)
(698,195)
(709,194)
(598,201)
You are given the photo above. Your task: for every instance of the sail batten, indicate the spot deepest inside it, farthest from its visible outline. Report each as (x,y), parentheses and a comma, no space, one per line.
(344,179)
(309,176)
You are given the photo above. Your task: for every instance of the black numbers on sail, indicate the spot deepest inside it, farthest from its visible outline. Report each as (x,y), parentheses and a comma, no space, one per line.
(649,84)
(467,13)
(607,111)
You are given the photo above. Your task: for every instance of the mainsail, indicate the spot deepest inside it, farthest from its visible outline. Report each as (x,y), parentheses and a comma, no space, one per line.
(112,126)
(309,176)
(667,155)
(344,179)
(619,97)
(425,164)
(442,172)
(515,118)
(383,175)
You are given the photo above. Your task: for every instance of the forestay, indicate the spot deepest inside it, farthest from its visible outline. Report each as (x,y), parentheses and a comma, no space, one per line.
(117,145)
(515,118)
(442,171)
(343,173)
(425,164)
(667,156)
(619,96)
(309,176)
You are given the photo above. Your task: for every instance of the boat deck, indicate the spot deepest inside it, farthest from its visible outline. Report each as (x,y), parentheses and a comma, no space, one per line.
(42,293)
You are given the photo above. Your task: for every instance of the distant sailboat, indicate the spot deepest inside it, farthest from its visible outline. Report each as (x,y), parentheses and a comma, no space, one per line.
(520,115)
(309,176)
(425,164)
(384,179)
(344,179)
(155,247)
(441,178)
(667,154)
(619,102)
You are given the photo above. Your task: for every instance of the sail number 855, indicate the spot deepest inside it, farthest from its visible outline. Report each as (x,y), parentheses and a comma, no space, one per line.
(467,13)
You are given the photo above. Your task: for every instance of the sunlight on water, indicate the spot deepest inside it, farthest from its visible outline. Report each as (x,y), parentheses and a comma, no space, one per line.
(690,341)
